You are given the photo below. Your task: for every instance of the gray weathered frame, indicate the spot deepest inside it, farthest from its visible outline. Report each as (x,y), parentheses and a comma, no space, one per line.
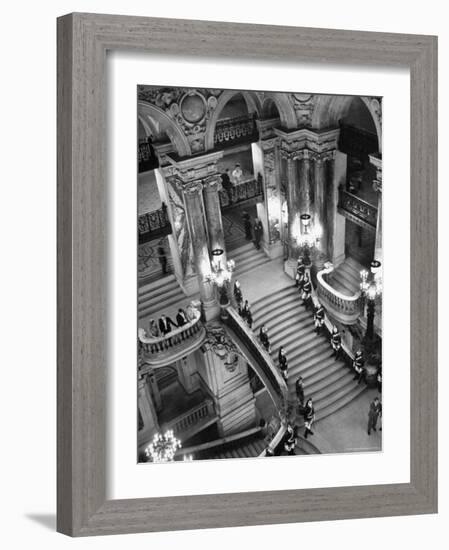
(83,40)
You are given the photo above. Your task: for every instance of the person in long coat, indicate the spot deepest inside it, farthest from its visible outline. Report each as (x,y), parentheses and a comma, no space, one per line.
(258,230)
(299,389)
(244,310)
(249,317)
(247,225)
(309,417)
(226,184)
(238,296)
(306,292)
(375,410)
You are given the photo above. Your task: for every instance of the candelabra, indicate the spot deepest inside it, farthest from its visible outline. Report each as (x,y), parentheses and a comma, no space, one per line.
(371,289)
(163,447)
(220,275)
(308,238)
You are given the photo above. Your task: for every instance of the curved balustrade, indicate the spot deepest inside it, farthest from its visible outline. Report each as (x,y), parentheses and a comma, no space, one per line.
(260,361)
(157,352)
(346,309)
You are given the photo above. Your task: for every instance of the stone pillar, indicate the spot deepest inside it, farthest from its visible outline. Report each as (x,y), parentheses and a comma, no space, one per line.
(234,400)
(194,209)
(320,221)
(336,222)
(376,161)
(147,412)
(304,182)
(174,250)
(294,213)
(213,214)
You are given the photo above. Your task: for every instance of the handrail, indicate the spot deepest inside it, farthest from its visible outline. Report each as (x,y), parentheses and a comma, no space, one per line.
(353,205)
(264,365)
(247,188)
(153,223)
(153,345)
(329,268)
(190,418)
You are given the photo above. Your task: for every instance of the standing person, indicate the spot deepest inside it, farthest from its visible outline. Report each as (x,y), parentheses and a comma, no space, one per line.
(263,337)
(336,342)
(162,259)
(358,366)
(258,230)
(181,319)
(165,324)
(238,296)
(244,310)
(318,318)
(306,291)
(237,174)
(299,389)
(226,184)
(290,440)
(154,332)
(247,225)
(283,363)
(249,317)
(375,409)
(309,417)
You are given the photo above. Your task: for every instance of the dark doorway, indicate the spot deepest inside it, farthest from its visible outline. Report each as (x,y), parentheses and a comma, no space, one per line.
(359,243)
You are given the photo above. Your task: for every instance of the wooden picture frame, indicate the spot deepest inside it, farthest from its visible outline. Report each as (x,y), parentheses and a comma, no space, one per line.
(83,40)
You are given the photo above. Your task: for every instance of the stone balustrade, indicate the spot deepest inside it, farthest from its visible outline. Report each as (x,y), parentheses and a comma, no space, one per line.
(163,350)
(346,309)
(247,189)
(190,419)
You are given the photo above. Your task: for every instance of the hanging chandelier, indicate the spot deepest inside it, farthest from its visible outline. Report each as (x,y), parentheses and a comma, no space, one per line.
(163,447)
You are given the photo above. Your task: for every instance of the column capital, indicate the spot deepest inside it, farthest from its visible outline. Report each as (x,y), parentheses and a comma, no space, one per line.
(212,183)
(192,188)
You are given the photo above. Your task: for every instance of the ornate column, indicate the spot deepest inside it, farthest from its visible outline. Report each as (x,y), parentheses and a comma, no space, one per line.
(304,181)
(294,211)
(336,176)
(213,213)
(192,192)
(320,221)
(376,161)
(147,413)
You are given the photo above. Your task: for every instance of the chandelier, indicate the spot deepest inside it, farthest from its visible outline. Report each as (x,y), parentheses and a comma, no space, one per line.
(308,237)
(163,447)
(371,282)
(220,275)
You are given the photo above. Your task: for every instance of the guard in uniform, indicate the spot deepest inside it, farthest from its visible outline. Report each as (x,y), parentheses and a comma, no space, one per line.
(306,292)
(336,342)
(318,318)
(290,440)
(309,417)
(358,366)
(263,337)
(283,363)
(249,317)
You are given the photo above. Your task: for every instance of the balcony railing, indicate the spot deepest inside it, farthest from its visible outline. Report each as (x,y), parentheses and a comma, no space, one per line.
(154,225)
(161,351)
(248,190)
(146,157)
(192,419)
(235,130)
(346,309)
(357,210)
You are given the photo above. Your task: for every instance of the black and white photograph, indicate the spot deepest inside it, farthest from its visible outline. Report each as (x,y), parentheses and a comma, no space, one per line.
(259,274)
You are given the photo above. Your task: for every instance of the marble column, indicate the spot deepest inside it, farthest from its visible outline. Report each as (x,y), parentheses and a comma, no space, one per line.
(213,214)
(195,218)
(319,221)
(294,212)
(336,176)
(147,412)
(304,182)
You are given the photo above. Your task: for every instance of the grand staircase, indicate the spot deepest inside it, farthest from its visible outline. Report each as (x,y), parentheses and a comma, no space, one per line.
(157,296)
(247,258)
(330,383)
(346,277)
